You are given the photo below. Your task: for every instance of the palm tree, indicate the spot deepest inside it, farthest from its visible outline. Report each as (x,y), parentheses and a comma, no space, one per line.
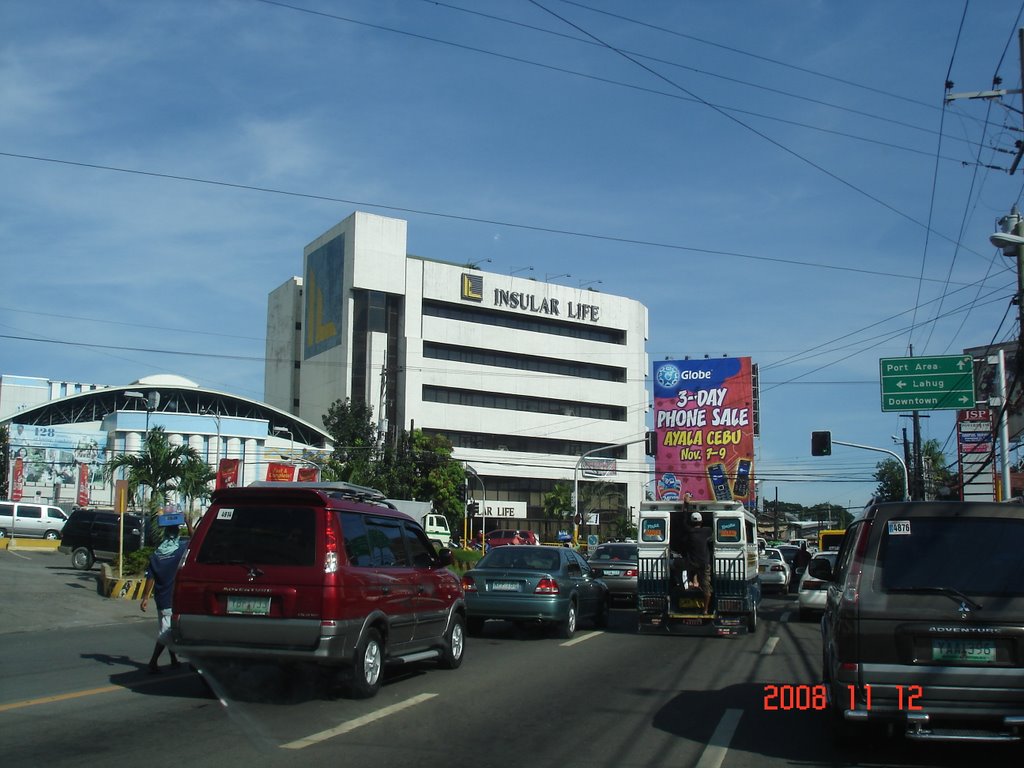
(160,466)
(194,484)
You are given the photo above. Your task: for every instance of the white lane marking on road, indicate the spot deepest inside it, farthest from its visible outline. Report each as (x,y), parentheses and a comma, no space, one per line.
(351,725)
(769,645)
(580,638)
(714,753)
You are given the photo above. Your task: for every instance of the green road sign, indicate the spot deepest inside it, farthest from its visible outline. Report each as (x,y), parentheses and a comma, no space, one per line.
(927,383)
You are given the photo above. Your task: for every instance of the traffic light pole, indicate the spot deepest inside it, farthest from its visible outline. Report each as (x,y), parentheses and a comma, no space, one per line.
(483,516)
(903,464)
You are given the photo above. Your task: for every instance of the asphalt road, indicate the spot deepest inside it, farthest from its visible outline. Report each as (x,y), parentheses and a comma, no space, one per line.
(74,691)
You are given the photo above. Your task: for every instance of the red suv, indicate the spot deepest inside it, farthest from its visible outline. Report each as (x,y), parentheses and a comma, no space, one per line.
(328,573)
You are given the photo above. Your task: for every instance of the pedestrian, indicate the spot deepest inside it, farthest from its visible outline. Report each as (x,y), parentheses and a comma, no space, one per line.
(163,565)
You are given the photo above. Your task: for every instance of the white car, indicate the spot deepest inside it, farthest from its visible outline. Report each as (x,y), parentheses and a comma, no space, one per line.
(811,592)
(773,571)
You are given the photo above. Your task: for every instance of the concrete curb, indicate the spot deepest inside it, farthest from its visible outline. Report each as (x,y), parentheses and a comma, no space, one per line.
(37,545)
(126,588)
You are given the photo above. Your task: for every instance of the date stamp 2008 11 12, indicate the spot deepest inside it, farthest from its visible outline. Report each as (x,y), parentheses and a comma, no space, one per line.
(804,697)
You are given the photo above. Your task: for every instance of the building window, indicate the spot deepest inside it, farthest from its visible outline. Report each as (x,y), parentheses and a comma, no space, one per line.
(507,402)
(559,367)
(518,443)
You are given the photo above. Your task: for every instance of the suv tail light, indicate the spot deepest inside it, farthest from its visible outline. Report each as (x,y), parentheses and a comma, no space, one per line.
(330,543)
(852,591)
(468,585)
(546,586)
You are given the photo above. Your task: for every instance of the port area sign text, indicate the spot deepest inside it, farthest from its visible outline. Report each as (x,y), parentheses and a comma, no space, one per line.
(927,383)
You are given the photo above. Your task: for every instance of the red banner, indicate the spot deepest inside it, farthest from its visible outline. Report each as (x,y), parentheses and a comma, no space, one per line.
(83,485)
(19,479)
(280,473)
(309,474)
(227,473)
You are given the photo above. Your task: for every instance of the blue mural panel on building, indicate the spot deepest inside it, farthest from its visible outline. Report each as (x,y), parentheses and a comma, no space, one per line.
(323,289)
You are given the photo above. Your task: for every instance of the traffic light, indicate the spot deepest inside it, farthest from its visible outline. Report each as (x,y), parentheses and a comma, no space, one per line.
(462,492)
(821,443)
(651,443)
(473,509)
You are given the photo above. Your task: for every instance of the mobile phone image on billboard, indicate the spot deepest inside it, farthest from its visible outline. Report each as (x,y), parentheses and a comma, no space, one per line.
(719,482)
(741,485)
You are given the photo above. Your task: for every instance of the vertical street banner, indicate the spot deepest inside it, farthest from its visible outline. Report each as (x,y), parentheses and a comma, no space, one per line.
(227,473)
(704,420)
(280,473)
(18,484)
(83,485)
(976,450)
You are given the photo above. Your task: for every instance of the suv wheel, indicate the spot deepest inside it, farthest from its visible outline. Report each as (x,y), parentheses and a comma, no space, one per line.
(369,666)
(81,559)
(752,620)
(51,536)
(3,533)
(567,628)
(454,644)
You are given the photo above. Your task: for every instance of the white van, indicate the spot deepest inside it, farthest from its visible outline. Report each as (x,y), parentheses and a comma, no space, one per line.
(39,521)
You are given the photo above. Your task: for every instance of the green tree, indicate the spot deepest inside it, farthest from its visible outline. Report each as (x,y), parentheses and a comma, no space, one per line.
(416,466)
(194,483)
(356,441)
(940,480)
(558,501)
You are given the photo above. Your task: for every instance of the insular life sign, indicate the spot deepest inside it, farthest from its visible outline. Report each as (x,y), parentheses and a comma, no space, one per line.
(528,302)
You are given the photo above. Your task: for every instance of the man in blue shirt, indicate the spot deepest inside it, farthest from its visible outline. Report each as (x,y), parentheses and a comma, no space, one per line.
(163,565)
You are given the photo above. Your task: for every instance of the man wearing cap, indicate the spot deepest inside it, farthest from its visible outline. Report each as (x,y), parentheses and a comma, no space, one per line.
(697,556)
(163,565)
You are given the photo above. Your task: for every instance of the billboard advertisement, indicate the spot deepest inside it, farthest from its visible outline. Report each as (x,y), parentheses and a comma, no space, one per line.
(704,421)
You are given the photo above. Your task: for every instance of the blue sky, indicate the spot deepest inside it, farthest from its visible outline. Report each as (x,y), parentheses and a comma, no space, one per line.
(779,180)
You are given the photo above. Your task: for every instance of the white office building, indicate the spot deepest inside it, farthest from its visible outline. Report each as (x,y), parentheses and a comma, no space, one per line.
(529,380)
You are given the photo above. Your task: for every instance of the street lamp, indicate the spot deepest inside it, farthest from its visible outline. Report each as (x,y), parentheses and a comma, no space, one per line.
(216,417)
(286,431)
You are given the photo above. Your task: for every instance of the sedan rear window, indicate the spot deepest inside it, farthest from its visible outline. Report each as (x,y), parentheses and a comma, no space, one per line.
(264,535)
(975,556)
(522,557)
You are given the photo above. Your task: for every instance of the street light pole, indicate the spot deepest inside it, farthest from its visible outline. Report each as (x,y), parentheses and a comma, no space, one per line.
(483,510)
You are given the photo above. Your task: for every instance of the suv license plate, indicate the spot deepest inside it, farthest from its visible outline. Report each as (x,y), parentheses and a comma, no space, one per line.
(249,606)
(505,586)
(977,651)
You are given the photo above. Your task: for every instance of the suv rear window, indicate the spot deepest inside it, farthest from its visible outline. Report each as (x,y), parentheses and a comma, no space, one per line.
(976,556)
(263,535)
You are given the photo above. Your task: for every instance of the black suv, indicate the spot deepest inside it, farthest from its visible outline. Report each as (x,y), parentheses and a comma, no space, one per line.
(924,621)
(90,535)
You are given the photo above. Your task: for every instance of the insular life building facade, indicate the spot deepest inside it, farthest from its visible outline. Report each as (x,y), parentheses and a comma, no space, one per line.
(527,379)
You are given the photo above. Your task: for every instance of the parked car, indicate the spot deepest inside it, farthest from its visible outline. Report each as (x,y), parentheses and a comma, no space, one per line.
(811,591)
(92,535)
(616,565)
(40,521)
(322,573)
(773,570)
(502,537)
(924,612)
(550,585)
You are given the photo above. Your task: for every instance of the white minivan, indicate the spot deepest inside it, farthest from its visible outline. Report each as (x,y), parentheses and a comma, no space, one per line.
(39,521)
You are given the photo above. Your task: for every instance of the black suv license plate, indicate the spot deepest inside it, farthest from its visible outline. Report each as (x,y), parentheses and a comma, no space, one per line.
(974,651)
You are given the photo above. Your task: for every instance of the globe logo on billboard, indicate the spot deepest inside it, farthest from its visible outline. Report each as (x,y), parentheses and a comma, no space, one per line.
(668,376)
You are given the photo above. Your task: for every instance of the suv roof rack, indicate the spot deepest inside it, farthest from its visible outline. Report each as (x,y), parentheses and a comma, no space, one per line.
(334,489)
